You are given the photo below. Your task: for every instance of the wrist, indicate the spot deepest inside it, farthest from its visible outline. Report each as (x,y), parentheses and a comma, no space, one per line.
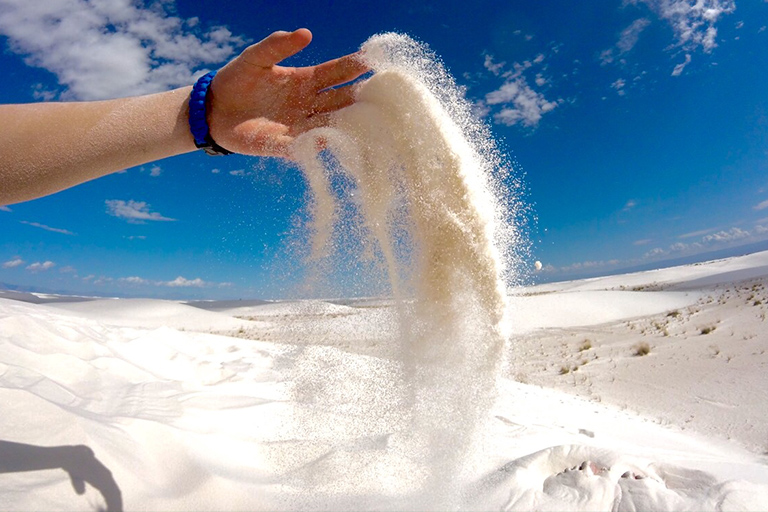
(199,110)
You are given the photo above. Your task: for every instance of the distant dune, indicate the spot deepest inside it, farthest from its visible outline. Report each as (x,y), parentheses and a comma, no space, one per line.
(643,391)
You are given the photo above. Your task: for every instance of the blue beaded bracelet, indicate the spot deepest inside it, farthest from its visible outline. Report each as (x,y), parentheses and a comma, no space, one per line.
(198,124)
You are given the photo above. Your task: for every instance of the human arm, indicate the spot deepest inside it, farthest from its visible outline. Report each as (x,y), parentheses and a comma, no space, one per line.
(256,108)
(78,461)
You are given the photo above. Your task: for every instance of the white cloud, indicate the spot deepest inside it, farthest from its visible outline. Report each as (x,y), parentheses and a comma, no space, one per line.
(13,263)
(731,235)
(619,86)
(133,280)
(695,234)
(47,228)
(761,206)
(680,67)
(40,267)
(516,101)
(179,282)
(155,171)
(631,34)
(493,67)
(105,49)
(722,238)
(182,282)
(5,209)
(680,247)
(692,21)
(630,205)
(583,266)
(656,251)
(520,103)
(627,40)
(133,211)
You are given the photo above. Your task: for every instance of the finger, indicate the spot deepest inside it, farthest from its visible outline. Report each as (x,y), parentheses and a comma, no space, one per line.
(339,71)
(78,484)
(334,99)
(277,47)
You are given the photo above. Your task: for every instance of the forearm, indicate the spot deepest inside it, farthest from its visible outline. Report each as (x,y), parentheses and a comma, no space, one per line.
(48,147)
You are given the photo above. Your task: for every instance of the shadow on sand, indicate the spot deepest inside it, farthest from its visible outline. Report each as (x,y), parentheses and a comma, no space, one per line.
(78,461)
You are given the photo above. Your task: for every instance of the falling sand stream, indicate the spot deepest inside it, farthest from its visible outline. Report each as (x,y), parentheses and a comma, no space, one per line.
(432,208)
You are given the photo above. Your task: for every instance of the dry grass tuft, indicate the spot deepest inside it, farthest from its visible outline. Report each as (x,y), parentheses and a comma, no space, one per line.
(642,349)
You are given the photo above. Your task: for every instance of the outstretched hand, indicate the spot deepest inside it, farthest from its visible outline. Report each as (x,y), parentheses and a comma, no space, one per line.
(258,107)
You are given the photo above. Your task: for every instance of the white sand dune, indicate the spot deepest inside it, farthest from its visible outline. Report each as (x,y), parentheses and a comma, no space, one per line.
(305,405)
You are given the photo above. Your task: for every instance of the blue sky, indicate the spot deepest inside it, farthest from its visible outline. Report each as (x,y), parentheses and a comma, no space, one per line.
(641,127)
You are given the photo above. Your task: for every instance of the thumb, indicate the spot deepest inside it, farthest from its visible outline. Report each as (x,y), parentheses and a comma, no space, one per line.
(276,47)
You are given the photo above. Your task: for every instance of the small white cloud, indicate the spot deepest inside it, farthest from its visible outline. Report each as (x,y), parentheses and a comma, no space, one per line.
(655,252)
(155,171)
(520,103)
(585,265)
(681,67)
(644,241)
(619,86)
(606,57)
(731,235)
(493,67)
(630,35)
(630,205)
(133,280)
(694,234)
(692,21)
(627,40)
(133,211)
(183,282)
(42,93)
(679,247)
(40,267)
(239,172)
(68,270)
(5,209)
(47,228)
(761,206)
(16,262)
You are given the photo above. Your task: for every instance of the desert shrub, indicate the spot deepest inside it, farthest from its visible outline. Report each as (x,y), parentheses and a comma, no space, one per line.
(565,369)
(707,330)
(586,345)
(642,349)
